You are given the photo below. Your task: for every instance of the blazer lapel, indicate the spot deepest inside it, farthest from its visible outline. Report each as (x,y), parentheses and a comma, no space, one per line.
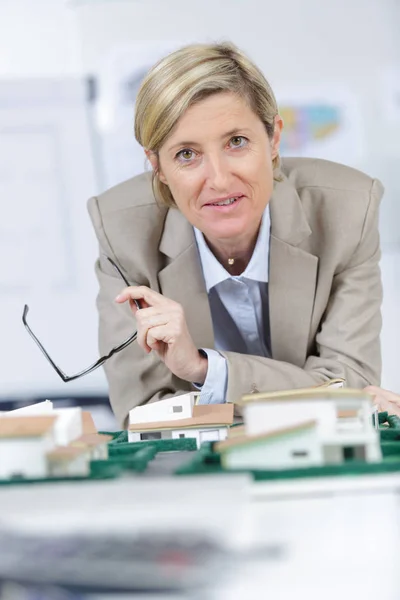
(182,279)
(292,276)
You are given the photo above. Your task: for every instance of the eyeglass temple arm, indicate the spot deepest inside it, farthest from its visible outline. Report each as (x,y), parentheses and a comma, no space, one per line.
(101,360)
(123,278)
(97,364)
(61,373)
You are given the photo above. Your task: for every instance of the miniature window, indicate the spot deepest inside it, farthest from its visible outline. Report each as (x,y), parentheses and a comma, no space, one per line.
(150,435)
(360,453)
(354,453)
(299,453)
(348,453)
(177,409)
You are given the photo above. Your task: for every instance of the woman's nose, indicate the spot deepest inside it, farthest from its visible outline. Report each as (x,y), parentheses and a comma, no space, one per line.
(218,174)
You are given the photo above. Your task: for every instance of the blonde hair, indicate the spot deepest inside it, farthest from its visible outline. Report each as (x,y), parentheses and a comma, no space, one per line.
(187,76)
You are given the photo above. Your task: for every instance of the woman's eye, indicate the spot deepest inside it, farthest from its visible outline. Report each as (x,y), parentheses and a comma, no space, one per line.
(186,154)
(238,141)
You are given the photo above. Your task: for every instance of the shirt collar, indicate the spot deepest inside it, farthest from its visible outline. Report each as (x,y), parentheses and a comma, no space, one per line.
(257,269)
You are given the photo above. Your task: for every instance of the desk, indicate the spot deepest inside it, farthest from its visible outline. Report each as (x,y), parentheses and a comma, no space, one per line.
(341,540)
(340,543)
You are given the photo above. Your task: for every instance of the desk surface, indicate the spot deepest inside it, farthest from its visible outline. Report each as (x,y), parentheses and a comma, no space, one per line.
(337,541)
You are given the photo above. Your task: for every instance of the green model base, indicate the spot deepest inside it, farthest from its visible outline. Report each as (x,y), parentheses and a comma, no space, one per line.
(134,458)
(179,445)
(207,461)
(123,457)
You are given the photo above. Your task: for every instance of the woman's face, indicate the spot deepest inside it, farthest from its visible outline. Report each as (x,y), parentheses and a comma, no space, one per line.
(217,163)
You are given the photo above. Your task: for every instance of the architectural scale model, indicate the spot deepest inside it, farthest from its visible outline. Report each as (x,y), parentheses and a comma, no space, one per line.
(40,442)
(303,428)
(180,417)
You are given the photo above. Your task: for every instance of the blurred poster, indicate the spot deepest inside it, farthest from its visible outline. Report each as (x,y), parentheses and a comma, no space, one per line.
(322,123)
(119,81)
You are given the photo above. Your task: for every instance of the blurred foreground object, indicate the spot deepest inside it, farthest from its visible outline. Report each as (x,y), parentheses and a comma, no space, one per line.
(151,561)
(39,441)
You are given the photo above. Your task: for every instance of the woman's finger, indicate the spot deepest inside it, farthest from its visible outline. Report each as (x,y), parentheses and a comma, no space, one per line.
(384,395)
(157,334)
(146,320)
(141,292)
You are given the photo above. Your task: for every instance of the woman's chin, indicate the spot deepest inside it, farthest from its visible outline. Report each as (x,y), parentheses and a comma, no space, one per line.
(224,231)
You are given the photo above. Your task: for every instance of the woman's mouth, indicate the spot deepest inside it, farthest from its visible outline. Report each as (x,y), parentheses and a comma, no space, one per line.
(226,202)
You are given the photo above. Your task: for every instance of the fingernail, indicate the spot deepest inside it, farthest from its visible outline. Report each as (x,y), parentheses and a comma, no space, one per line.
(118,297)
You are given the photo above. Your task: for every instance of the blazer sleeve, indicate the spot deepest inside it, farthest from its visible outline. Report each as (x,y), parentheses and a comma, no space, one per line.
(347,344)
(133,377)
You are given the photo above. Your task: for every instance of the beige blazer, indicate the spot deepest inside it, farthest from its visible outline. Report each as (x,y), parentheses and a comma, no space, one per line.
(324,284)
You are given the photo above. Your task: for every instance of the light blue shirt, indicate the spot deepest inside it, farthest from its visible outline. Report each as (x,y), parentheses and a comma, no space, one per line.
(239,310)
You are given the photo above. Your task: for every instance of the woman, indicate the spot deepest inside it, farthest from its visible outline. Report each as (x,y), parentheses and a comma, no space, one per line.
(252,272)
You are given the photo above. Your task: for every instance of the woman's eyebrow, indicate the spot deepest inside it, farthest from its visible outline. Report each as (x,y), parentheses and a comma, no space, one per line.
(181,145)
(236,131)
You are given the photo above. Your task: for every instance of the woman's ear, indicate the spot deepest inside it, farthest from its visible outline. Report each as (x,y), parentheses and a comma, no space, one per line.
(154,160)
(276,138)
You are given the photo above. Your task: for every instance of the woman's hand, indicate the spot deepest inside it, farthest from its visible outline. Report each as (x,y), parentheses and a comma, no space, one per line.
(385,401)
(161,327)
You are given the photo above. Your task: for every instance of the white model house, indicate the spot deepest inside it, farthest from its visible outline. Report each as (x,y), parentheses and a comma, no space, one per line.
(275,432)
(95,443)
(24,443)
(88,425)
(39,408)
(171,409)
(295,446)
(179,417)
(68,461)
(39,441)
(69,424)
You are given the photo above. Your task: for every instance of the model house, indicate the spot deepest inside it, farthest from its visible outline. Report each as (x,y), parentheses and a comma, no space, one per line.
(39,408)
(88,425)
(281,409)
(289,447)
(25,442)
(68,461)
(95,443)
(171,409)
(39,441)
(180,417)
(282,428)
(69,424)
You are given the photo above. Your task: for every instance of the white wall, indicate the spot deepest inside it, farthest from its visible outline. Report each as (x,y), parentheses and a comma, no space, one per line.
(38,39)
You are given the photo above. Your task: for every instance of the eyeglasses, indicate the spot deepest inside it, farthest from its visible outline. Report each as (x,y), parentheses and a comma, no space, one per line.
(101,360)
